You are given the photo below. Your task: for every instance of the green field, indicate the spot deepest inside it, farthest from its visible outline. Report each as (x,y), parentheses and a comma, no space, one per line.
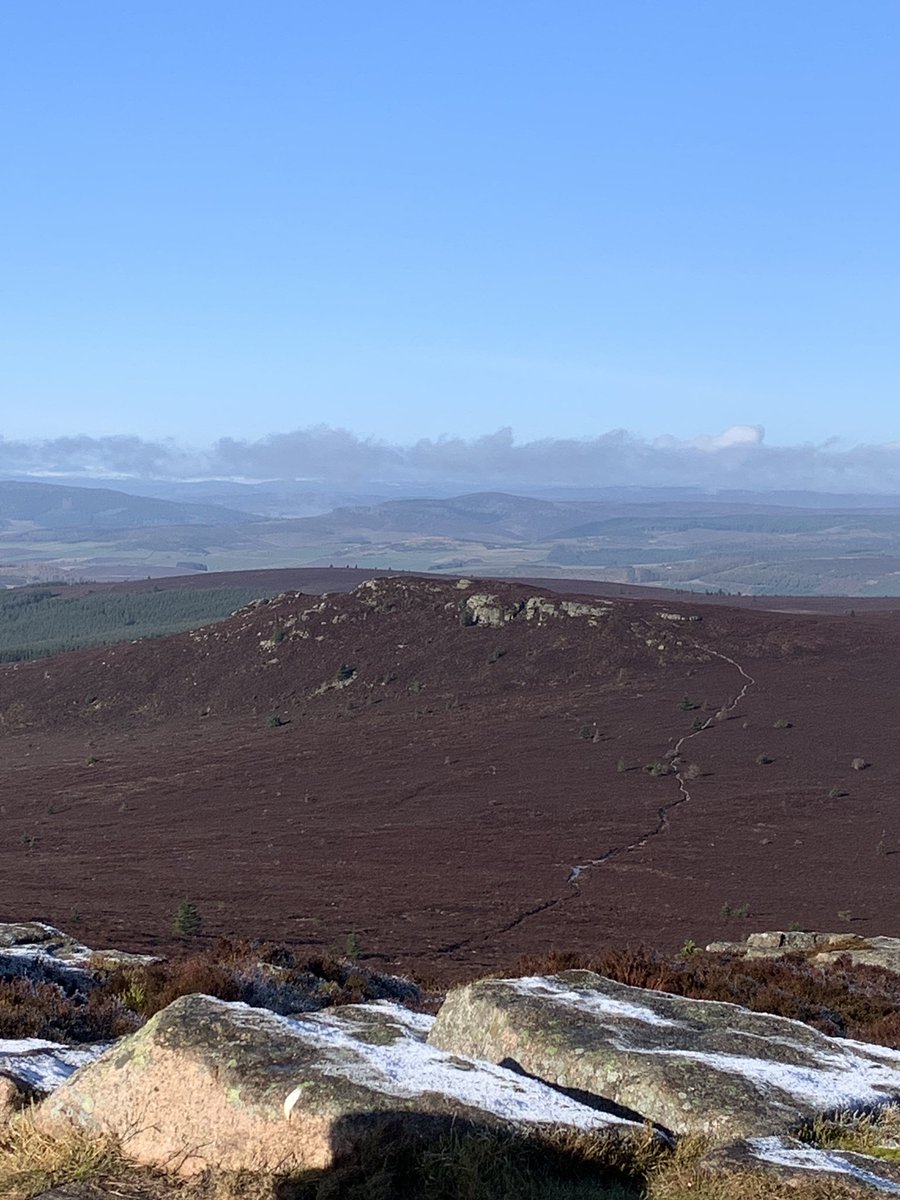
(38,622)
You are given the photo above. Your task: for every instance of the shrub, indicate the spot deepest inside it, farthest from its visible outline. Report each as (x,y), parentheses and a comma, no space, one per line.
(40,1009)
(763,760)
(187,921)
(859,764)
(781,723)
(275,722)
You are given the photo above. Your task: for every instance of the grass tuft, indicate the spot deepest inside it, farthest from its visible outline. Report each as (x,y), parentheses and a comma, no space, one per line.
(32,1162)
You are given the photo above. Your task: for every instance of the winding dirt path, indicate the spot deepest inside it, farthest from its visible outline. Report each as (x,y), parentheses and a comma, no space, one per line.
(684,792)
(662,823)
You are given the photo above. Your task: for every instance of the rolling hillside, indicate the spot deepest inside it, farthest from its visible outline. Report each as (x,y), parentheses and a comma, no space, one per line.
(458,773)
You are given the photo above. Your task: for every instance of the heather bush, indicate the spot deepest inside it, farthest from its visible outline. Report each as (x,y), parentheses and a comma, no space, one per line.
(29,1008)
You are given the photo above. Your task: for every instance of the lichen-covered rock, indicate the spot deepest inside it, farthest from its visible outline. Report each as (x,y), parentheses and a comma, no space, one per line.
(692,1066)
(211,1084)
(871,952)
(794,1161)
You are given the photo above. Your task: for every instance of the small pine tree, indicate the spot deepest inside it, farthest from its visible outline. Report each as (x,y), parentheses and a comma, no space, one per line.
(352,947)
(187,921)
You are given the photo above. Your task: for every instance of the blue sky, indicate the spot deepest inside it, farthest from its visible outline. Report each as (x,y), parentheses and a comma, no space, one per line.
(408,219)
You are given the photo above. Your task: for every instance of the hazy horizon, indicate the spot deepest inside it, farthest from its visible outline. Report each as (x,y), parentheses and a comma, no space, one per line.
(738,458)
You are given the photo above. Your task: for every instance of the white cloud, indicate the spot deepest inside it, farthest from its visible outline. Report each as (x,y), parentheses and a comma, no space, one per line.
(737,457)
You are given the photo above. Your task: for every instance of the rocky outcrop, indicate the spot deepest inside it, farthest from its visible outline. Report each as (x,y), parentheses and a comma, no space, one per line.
(819,948)
(211,1084)
(33,949)
(487,608)
(692,1066)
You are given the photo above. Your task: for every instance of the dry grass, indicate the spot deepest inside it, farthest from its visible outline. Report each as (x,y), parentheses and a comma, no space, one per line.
(32,1162)
(457,1165)
(875,1133)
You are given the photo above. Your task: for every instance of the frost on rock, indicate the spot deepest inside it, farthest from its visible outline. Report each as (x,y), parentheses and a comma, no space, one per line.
(792,1160)
(38,1066)
(35,950)
(210,1083)
(597,1003)
(692,1066)
(398,1062)
(787,1152)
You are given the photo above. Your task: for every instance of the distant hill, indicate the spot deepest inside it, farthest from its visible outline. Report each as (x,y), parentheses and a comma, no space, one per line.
(52,532)
(55,506)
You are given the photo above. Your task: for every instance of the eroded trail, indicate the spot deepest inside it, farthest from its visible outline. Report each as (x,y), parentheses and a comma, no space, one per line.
(684,792)
(682,797)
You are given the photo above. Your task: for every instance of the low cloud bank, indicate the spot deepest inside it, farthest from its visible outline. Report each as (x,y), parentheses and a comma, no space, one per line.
(735,458)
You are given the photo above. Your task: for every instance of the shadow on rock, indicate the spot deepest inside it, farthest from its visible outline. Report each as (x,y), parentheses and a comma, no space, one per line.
(589,1099)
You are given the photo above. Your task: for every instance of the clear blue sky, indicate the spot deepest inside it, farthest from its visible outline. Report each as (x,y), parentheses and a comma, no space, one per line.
(416,218)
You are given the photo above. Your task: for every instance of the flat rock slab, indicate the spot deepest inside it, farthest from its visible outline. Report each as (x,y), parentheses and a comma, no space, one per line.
(37,1067)
(793,1160)
(209,1084)
(692,1066)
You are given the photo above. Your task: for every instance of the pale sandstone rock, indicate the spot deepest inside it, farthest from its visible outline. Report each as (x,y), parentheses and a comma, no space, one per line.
(821,948)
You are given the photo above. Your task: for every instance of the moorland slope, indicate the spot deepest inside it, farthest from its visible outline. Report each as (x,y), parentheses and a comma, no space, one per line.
(459,773)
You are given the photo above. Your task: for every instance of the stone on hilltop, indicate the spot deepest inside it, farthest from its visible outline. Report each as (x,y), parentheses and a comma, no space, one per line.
(691,1066)
(213,1084)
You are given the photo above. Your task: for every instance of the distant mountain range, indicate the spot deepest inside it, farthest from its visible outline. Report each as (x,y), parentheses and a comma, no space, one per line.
(679,538)
(57,506)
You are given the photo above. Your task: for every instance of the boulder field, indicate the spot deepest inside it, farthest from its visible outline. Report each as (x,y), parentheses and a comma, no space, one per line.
(207,1083)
